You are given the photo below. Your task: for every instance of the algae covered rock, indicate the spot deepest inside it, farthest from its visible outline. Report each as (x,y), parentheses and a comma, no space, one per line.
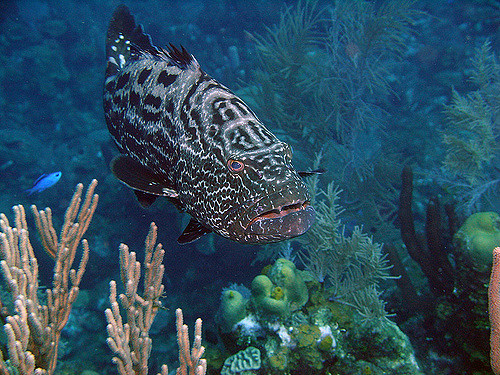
(477,238)
(378,348)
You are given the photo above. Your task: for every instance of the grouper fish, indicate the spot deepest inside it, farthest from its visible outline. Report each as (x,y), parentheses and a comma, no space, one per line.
(184,136)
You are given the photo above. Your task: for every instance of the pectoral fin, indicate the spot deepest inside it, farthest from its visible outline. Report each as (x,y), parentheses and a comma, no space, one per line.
(145,199)
(193,231)
(140,178)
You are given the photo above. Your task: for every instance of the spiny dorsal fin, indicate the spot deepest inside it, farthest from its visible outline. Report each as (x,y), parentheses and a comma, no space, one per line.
(181,58)
(124,39)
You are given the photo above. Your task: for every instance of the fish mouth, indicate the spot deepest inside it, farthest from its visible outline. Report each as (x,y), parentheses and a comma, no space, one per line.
(279,216)
(296,211)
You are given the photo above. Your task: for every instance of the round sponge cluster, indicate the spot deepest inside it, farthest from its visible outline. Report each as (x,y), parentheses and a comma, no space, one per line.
(478,236)
(279,292)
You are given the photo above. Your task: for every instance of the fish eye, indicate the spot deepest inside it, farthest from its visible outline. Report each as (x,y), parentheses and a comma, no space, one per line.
(235,165)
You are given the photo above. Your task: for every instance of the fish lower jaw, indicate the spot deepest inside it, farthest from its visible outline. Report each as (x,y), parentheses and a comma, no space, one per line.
(279,212)
(280,224)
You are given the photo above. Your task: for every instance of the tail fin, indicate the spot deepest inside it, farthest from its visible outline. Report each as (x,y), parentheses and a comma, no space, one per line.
(124,40)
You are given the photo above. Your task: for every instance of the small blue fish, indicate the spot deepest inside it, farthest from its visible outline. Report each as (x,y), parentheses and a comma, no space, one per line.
(44,182)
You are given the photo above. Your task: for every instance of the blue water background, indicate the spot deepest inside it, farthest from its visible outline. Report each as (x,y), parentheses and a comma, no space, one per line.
(52,62)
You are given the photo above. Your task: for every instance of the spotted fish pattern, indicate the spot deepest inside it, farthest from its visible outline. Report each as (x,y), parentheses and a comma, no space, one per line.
(185,136)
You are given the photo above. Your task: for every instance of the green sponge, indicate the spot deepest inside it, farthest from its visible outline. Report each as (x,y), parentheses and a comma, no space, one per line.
(281,291)
(232,309)
(478,236)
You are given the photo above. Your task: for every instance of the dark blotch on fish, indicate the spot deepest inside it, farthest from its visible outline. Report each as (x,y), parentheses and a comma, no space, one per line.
(166,79)
(134,99)
(122,81)
(153,101)
(143,76)
(151,116)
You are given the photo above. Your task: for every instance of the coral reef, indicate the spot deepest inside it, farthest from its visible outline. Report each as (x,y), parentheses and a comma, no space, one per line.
(348,266)
(364,82)
(130,341)
(457,266)
(318,70)
(430,253)
(471,137)
(316,336)
(34,330)
(232,309)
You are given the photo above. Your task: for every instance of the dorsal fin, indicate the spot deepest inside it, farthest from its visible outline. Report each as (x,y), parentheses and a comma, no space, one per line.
(125,39)
(39,178)
(180,58)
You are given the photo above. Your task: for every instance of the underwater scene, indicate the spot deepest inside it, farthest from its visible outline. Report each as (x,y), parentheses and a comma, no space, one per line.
(250,187)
